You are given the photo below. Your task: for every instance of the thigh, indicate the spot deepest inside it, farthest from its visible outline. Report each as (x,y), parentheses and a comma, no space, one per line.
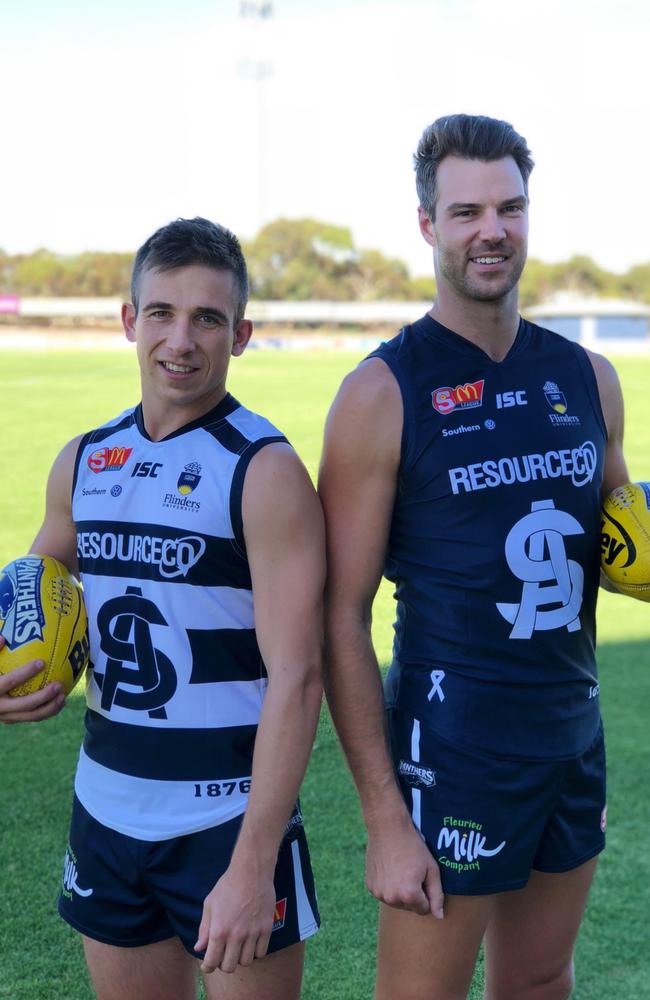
(275,977)
(531,935)
(422,958)
(161,971)
(481,816)
(104,893)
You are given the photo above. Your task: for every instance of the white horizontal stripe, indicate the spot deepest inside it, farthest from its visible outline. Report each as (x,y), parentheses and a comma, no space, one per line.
(151,810)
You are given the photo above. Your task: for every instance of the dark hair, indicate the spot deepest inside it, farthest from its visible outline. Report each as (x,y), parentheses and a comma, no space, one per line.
(193,241)
(473,137)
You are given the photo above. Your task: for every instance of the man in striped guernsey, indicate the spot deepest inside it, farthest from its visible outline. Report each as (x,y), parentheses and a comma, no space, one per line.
(199,540)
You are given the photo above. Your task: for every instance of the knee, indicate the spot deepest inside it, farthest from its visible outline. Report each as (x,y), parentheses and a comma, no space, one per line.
(549,985)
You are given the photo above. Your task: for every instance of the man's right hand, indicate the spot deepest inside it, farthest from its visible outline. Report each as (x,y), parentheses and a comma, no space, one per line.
(28,707)
(401,871)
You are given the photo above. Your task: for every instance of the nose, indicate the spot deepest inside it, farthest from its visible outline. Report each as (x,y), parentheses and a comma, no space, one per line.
(180,337)
(493,228)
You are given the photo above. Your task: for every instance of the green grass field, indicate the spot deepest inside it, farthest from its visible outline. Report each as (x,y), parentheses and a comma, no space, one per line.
(50,396)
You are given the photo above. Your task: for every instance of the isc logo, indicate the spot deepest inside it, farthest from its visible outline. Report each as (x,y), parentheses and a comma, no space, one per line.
(146,469)
(508,399)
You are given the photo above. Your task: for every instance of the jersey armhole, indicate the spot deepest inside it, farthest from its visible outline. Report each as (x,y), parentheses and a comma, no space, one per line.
(86,439)
(237,488)
(591,383)
(390,359)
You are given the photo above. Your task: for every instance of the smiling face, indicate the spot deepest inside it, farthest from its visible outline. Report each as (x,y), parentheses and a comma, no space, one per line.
(479,236)
(185,335)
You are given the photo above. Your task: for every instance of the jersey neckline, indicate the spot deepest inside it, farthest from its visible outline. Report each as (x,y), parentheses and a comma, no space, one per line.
(223,408)
(441,335)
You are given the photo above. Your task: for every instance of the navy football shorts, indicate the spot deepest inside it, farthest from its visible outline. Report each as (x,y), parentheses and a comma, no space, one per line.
(489,820)
(129,892)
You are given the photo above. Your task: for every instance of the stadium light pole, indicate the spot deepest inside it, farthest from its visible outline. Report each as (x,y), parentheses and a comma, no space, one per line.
(258,69)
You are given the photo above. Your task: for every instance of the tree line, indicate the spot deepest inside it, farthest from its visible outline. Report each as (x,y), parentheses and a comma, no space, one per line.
(302,259)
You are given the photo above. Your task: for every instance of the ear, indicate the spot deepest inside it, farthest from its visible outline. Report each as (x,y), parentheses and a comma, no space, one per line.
(427,227)
(128,321)
(243,334)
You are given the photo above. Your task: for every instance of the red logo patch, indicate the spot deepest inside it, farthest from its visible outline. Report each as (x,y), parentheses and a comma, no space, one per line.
(109,459)
(279,913)
(464,397)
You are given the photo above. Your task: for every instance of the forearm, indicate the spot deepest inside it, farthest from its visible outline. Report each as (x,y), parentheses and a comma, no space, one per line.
(283,744)
(356,700)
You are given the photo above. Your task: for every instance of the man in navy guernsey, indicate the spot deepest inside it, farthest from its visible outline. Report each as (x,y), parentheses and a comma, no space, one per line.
(466,460)
(199,540)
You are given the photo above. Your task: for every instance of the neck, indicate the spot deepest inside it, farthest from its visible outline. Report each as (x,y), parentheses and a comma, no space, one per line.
(162,420)
(492,326)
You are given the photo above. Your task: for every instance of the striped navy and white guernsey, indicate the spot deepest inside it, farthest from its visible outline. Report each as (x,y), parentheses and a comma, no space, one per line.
(177,682)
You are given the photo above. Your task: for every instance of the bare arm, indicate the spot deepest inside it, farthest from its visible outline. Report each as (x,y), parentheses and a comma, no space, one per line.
(357,485)
(283,528)
(56,537)
(611,400)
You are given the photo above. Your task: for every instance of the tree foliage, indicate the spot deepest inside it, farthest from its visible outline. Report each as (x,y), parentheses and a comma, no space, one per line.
(301,259)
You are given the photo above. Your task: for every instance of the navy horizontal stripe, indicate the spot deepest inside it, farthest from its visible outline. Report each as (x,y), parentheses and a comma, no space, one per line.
(160,553)
(225,654)
(163,754)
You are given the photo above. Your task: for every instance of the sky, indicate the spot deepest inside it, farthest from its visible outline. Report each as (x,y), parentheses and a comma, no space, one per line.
(117,117)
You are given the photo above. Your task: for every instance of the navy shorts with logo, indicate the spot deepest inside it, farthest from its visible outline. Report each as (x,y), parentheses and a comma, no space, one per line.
(489,820)
(130,893)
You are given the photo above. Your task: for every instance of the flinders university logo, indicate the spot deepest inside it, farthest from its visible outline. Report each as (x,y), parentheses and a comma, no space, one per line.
(557,401)
(189,479)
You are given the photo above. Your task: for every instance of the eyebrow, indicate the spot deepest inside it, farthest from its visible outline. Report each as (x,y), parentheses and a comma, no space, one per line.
(520,199)
(207,310)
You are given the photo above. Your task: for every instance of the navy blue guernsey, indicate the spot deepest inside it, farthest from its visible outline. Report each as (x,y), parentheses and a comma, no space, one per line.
(494,541)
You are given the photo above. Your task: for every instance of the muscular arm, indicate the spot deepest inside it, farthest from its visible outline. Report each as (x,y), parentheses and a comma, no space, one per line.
(611,400)
(283,529)
(56,537)
(357,486)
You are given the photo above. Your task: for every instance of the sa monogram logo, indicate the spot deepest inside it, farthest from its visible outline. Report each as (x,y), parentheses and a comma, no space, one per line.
(536,554)
(136,663)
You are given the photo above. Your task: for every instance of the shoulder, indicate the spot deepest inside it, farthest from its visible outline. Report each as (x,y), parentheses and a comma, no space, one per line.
(278,495)
(369,390)
(64,463)
(609,391)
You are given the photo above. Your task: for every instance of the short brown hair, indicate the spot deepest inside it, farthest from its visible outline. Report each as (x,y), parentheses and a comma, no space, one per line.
(193,241)
(473,137)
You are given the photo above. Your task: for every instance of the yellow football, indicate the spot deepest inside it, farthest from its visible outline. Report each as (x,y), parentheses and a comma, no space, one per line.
(625,539)
(42,617)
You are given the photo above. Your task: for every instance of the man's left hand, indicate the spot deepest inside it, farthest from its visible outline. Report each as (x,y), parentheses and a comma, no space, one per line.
(237,921)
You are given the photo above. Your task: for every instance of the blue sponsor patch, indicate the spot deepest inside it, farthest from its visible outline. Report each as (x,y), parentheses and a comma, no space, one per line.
(21,610)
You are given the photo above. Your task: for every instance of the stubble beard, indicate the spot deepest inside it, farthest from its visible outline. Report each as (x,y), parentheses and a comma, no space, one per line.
(491,288)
